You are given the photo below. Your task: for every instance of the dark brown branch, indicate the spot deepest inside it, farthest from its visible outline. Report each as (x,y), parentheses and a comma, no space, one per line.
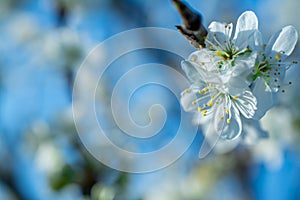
(192,27)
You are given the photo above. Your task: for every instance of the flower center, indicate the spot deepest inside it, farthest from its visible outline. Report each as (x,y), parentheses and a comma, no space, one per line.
(264,68)
(226,50)
(216,98)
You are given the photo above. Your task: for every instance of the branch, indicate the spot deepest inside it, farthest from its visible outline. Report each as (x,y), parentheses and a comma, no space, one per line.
(192,27)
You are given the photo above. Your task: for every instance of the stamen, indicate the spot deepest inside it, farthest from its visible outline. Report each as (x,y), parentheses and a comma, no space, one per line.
(218,41)
(210,103)
(218,53)
(187,90)
(228,121)
(278,56)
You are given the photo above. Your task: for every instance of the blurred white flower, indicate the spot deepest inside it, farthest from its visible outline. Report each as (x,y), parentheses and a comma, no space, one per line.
(48,158)
(278,122)
(63,48)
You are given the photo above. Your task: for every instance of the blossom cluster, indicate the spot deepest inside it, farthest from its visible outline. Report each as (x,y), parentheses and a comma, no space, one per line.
(235,79)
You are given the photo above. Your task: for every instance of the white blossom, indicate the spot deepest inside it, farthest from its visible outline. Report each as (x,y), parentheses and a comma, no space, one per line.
(234,79)
(211,96)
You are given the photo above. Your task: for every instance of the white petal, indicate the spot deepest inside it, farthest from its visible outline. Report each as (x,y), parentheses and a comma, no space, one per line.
(237,85)
(234,128)
(200,56)
(238,82)
(283,41)
(190,71)
(186,101)
(256,41)
(218,27)
(264,98)
(246,104)
(219,116)
(239,79)
(212,131)
(218,35)
(224,146)
(210,140)
(202,120)
(278,79)
(247,23)
(244,64)
(213,142)
(219,132)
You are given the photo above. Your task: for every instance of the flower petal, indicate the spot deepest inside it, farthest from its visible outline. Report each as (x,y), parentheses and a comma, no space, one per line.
(277,75)
(264,97)
(219,116)
(186,101)
(284,41)
(233,129)
(244,64)
(247,23)
(200,56)
(237,85)
(191,100)
(256,41)
(212,131)
(191,72)
(218,35)
(246,104)
(219,27)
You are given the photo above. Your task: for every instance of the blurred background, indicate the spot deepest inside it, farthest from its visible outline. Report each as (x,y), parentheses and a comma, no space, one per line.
(42,45)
